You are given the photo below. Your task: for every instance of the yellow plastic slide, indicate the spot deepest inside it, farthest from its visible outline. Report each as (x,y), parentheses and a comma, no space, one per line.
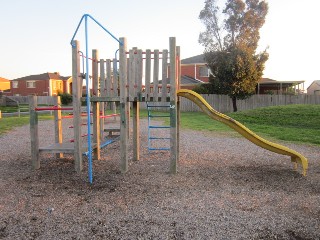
(251,136)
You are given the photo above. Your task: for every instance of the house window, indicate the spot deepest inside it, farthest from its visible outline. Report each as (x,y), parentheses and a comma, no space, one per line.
(204,71)
(14,84)
(57,85)
(31,84)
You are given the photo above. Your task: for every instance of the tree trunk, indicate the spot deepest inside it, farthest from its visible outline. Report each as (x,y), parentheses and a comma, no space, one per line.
(234,104)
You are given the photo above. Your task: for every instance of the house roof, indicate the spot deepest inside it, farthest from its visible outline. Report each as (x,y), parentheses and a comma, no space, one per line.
(194,60)
(43,76)
(186,80)
(268,81)
(317,82)
(3,79)
(189,80)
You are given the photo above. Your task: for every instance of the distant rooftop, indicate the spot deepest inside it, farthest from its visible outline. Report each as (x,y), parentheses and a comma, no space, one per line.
(43,76)
(3,79)
(194,60)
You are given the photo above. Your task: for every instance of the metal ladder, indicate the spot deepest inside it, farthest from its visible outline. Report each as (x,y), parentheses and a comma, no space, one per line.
(157,114)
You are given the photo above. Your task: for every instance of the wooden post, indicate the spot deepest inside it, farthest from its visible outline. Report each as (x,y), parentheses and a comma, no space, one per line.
(123,105)
(76,95)
(58,124)
(178,101)
(34,132)
(96,105)
(173,106)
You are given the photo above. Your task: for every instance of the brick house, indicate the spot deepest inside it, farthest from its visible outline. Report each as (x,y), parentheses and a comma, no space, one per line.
(194,70)
(195,67)
(314,88)
(45,84)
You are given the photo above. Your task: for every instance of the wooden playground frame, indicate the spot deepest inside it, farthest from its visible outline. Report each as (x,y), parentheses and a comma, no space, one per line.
(125,88)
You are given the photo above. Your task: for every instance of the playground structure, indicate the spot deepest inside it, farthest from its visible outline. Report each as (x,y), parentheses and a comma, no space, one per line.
(121,81)
(116,81)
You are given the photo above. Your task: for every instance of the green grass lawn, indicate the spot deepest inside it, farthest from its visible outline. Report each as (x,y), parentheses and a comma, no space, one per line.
(7,123)
(298,123)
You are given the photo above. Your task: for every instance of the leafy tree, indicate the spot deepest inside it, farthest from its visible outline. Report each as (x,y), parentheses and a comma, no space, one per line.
(230,46)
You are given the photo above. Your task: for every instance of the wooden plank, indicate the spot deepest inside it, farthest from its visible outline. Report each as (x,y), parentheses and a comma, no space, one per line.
(109,78)
(148,74)
(64,148)
(173,106)
(139,70)
(115,86)
(132,74)
(103,92)
(115,80)
(105,99)
(156,74)
(136,131)
(76,95)
(164,92)
(123,105)
(96,105)
(58,124)
(34,137)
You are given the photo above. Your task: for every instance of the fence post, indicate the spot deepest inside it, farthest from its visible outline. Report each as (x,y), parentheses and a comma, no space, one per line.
(34,132)
(58,124)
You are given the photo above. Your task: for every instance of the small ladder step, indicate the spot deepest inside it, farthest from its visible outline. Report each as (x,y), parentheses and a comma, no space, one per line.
(158,116)
(153,149)
(154,138)
(159,126)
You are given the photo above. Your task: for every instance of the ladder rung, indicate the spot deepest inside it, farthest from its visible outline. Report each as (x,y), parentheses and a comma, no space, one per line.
(159,116)
(159,126)
(159,106)
(152,138)
(151,149)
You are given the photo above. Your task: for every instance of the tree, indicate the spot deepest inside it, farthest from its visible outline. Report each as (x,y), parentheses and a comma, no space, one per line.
(230,46)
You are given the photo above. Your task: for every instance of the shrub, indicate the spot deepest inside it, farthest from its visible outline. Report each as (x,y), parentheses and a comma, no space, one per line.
(66,98)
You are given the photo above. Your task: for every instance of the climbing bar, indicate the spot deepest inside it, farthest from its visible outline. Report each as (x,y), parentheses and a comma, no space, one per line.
(92,59)
(52,108)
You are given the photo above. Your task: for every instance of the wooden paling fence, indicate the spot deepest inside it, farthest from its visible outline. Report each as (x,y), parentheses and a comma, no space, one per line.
(223,103)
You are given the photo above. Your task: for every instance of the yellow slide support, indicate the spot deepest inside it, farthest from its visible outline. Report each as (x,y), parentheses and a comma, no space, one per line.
(244,131)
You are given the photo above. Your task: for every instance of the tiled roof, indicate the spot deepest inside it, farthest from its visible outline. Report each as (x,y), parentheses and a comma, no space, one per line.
(194,60)
(186,80)
(190,80)
(3,79)
(43,76)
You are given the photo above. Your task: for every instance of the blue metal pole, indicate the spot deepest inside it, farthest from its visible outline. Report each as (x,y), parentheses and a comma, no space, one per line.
(88,105)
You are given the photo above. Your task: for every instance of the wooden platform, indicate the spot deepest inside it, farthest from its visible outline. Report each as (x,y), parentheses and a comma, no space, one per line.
(63,148)
(111,130)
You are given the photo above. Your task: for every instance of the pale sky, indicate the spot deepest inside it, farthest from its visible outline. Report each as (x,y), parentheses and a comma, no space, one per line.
(35,34)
